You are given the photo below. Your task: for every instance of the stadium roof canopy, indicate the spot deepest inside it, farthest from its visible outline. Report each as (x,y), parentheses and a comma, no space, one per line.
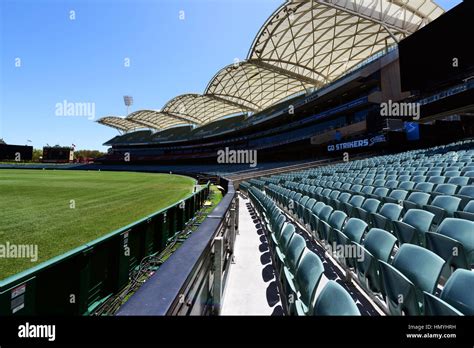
(304,44)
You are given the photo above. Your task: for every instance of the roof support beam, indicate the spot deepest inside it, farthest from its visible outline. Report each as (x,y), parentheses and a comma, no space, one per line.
(230,102)
(262,64)
(183,117)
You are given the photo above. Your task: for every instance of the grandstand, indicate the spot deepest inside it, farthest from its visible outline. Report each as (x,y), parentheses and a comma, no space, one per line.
(300,104)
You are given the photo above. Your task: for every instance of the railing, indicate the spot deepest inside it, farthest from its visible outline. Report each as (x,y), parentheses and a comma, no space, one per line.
(79,281)
(192,280)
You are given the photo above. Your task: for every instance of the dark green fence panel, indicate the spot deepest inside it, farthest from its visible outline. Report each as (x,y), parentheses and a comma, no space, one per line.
(77,282)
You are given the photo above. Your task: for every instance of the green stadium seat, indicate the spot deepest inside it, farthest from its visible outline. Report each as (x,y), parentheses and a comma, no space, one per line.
(293,254)
(388,213)
(308,274)
(324,215)
(335,221)
(285,237)
(396,196)
(343,198)
(424,187)
(412,228)
(335,300)
(443,207)
(454,242)
(458,291)
(413,270)
(437,180)
(355,201)
(377,245)
(370,206)
(353,231)
(467,213)
(416,200)
(445,189)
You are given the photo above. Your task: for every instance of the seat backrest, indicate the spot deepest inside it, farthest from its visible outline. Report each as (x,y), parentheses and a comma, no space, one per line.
(310,203)
(380,243)
(460,230)
(448,203)
(418,218)
(308,273)
(399,195)
(467,191)
(335,300)
(285,237)
(356,200)
(424,186)
(391,184)
(448,189)
(459,180)
(317,208)
(344,197)
(355,229)
(337,219)
(391,211)
(469,208)
(325,212)
(371,205)
(295,250)
(458,291)
(381,191)
(420,198)
(437,179)
(420,265)
(407,185)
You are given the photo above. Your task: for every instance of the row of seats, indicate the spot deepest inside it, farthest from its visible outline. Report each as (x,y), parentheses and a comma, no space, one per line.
(409,232)
(298,269)
(335,227)
(412,221)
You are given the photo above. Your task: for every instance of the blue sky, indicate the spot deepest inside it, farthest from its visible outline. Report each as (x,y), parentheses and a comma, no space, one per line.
(46,58)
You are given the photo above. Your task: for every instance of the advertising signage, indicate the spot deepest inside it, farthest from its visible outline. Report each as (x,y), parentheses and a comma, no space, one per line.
(355,144)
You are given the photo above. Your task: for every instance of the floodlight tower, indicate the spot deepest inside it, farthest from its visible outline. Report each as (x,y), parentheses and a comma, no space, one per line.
(128,101)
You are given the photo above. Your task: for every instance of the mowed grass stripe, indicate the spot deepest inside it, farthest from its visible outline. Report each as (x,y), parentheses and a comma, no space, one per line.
(35,207)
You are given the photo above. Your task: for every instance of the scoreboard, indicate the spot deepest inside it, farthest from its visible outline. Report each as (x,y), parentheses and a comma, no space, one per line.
(58,154)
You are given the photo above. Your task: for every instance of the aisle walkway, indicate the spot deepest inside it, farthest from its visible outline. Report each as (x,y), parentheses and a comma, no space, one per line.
(251,287)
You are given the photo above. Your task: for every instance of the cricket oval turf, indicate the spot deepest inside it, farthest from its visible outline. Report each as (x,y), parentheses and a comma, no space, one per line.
(58,210)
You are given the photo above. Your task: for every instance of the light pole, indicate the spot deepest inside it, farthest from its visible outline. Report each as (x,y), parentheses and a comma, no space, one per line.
(128,101)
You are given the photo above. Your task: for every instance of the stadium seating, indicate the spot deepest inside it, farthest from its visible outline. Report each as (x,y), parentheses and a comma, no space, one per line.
(405,213)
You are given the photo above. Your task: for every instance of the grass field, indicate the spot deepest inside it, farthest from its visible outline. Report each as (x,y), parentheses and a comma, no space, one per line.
(61,210)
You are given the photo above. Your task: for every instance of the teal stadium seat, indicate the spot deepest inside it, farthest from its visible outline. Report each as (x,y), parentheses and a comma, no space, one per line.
(454,242)
(414,225)
(387,214)
(467,213)
(308,275)
(377,245)
(443,207)
(335,300)
(413,270)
